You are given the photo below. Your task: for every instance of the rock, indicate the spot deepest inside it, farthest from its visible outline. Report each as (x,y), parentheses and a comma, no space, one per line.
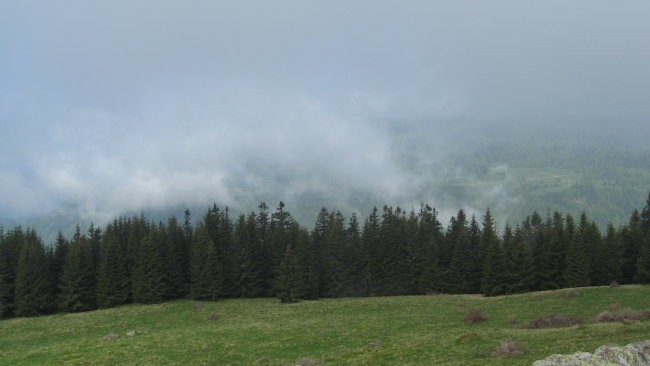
(110,337)
(634,354)
(375,344)
(130,333)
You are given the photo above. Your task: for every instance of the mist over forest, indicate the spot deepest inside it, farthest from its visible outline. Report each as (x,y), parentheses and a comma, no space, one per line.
(111,109)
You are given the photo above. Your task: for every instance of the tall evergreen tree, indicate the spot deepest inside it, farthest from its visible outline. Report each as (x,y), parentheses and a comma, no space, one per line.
(458,238)
(290,280)
(77,290)
(10,247)
(114,278)
(495,270)
(371,254)
(206,272)
(576,272)
(176,257)
(150,281)
(245,247)
(33,292)
(632,240)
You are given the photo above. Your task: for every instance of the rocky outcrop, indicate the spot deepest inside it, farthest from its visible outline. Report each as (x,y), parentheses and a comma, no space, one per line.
(634,354)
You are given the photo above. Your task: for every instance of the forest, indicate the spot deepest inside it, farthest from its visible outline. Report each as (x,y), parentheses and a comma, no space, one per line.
(268,253)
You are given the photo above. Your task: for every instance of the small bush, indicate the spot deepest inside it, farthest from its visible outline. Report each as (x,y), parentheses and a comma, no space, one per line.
(614,284)
(508,349)
(307,362)
(474,316)
(613,306)
(213,316)
(622,316)
(553,321)
(570,294)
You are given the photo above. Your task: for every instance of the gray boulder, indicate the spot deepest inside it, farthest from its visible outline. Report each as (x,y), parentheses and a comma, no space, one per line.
(634,354)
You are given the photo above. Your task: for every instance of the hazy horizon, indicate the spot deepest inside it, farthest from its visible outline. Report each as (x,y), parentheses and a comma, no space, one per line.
(113,106)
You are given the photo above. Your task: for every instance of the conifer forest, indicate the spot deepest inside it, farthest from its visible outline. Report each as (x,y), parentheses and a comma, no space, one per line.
(268,254)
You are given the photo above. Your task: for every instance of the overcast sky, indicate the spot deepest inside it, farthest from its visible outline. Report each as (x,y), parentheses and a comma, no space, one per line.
(122,105)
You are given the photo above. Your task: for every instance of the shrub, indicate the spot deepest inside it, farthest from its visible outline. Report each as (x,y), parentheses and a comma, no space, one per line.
(307,362)
(614,284)
(474,316)
(508,349)
(614,306)
(570,294)
(621,316)
(553,321)
(213,316)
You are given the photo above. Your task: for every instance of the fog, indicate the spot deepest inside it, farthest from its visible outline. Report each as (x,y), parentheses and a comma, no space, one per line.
(116,106)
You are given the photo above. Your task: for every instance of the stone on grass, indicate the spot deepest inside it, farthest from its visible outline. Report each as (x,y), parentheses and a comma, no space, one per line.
(633,354)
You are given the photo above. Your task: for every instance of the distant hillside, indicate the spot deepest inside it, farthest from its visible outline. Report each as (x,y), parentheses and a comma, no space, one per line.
(512,176)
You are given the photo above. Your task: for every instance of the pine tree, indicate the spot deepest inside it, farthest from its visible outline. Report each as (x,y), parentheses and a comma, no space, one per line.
(33,292)
(10,247)
(245,247)
(576,272)
(352,258)
(458,238)
(429,238)
(114,278)
(632,239)
(206,272)
(279,238)
(371,266)
(290,281)
(495,270)
(176,257)
(77,283)
(643,261)
(150,282)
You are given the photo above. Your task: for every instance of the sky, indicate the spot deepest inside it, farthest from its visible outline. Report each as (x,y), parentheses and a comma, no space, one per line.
(117,105)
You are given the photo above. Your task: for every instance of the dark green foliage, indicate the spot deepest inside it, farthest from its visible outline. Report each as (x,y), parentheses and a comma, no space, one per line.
(290,285)
(395,254)
(150,281)
(206,271)
(495,269)
(77,282)
(176,257)
(632,240)
(456,277)
(114,278)
(246,252)
(576,272)
(609,258)
(33,291)
(520,263)
(10,245)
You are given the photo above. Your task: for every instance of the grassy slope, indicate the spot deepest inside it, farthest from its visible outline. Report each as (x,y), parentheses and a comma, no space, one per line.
(412,330)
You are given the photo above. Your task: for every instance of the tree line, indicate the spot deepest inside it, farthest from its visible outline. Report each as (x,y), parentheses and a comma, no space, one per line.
(267,254)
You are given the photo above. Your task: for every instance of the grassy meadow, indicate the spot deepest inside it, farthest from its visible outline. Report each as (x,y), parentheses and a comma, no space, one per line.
(415,330)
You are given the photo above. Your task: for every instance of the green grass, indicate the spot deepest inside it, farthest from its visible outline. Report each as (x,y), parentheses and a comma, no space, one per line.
(418,330)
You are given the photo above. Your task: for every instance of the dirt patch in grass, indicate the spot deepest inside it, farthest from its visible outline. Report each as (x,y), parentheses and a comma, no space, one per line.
(474,316)
(508,349)
(553,321)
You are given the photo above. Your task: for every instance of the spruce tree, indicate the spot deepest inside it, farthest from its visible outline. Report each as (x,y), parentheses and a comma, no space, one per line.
(10,246)
(77,283)
(290,285)
(33,292)
(114,278)
(206,272)
(495,271)
(150,282)
(371,265)
(576,272)
(456,280)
